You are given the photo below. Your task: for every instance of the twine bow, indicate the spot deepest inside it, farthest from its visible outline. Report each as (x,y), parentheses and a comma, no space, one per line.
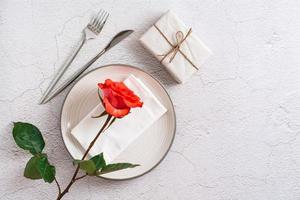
(175,48)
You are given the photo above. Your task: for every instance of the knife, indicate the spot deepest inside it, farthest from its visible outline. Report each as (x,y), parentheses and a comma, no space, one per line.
(115,40)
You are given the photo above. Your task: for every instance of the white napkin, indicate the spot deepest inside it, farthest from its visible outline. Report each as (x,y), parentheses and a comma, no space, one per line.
(123,131)
(192,47)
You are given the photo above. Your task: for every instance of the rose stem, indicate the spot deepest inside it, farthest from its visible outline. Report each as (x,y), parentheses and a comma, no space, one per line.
(60,195)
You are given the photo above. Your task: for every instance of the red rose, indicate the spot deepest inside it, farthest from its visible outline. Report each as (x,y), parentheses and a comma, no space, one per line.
(118,99)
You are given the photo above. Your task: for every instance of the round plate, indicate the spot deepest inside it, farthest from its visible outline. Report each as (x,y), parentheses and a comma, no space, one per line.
(148,149)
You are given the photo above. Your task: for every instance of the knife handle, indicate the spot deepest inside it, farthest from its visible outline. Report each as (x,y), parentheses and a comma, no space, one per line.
(67,82)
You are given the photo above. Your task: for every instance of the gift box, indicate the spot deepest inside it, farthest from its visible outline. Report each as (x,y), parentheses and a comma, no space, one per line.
(175,46)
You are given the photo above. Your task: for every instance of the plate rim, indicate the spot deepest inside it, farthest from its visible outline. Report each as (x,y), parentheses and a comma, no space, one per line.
(173,109)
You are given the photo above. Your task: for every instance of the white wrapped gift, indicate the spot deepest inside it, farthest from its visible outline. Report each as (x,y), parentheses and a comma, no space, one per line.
(176,46)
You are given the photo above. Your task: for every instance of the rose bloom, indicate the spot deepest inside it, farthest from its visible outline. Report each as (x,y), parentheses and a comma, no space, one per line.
(118,99)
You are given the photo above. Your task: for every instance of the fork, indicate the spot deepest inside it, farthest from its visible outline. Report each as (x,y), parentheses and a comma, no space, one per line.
(91,31)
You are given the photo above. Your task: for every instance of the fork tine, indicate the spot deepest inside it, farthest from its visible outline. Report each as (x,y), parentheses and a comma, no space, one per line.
(95,18)
(103,21)
(105,18)
(100,19)
(92,20)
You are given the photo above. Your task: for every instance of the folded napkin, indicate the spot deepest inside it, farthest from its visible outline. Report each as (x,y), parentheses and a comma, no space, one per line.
(123,131)
(170,28)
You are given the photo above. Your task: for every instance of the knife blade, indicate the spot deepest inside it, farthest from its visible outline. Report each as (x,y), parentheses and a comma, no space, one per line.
(114,41)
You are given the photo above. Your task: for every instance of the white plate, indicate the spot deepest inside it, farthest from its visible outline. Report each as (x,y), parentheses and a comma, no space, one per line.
(148,149)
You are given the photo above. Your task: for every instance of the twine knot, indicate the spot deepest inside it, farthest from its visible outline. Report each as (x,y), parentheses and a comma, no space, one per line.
(175,48)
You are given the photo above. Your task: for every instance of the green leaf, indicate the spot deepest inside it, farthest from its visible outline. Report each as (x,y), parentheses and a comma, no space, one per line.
(97,165)
(38,167)
(87,165)
(28,137)
(99,161)
(93,165)
(46,170)
(115,167)
(31,171)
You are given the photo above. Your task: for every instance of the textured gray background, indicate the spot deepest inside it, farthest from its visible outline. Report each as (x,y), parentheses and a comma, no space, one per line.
(238,117)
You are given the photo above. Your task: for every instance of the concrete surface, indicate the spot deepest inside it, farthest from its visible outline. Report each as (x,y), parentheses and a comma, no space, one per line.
(238,117)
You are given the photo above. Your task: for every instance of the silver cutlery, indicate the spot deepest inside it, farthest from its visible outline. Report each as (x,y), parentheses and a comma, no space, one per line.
(115,40)
(91,31)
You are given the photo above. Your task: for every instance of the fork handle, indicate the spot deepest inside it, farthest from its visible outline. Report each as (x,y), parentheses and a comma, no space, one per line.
(62,70)
(67,82)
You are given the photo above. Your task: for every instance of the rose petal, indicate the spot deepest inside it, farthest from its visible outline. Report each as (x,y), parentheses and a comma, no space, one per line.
(133,104)
(119,98)
(114,111)
(114,99)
